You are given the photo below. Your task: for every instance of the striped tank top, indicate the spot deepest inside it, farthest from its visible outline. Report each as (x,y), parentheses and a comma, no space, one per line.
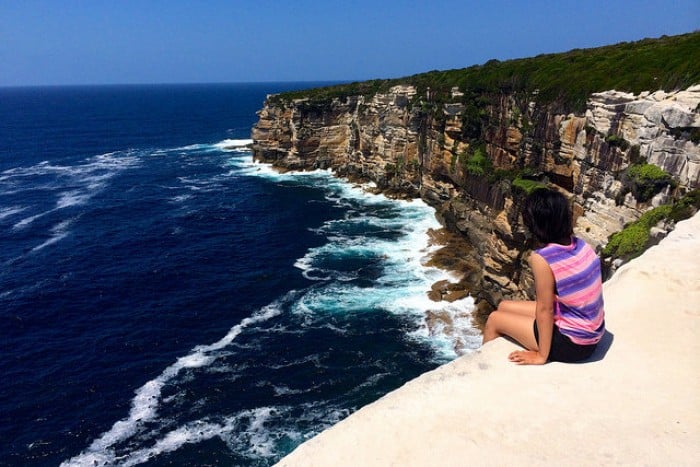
(578,308)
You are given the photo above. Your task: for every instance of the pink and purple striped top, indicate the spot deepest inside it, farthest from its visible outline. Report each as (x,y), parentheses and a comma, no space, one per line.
(578,310)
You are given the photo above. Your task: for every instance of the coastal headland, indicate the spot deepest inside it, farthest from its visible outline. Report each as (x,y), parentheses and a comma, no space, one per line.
(617,130)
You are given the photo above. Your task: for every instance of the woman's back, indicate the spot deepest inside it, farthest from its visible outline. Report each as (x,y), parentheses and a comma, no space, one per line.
(578,312)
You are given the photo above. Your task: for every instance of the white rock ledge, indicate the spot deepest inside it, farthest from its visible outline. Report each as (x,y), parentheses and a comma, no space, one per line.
(637,405)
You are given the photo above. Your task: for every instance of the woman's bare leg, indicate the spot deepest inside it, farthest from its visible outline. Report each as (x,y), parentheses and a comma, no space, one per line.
(521,307)
(513,319)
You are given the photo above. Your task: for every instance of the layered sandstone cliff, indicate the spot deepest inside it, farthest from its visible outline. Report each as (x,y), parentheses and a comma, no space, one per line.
(413,144)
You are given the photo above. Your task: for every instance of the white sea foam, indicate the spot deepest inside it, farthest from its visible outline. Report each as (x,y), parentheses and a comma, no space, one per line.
(286,391)
(194,432)
(99,165)
(72,198)
(85,180)
(392,235)
(203,185)
(193,147)
(261,443)
(313,358)
(245,165)
(28,220)
(369,382)
(11,211)
(144,406)
(180,198)
(256,433)
(252,429)
(233,144)
(58,232)
(247,428)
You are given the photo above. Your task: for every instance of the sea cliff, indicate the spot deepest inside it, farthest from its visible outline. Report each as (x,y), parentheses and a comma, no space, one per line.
(473,152)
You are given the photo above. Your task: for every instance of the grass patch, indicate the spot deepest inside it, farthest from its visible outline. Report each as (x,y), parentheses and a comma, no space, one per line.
(527,186)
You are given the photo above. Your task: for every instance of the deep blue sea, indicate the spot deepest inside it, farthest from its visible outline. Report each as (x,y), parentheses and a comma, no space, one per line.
(167,301)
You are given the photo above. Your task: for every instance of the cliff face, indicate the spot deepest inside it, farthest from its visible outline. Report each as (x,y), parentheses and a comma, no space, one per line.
(415,146)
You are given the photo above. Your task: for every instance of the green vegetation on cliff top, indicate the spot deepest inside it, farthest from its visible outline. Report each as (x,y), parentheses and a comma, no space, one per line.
(668,63)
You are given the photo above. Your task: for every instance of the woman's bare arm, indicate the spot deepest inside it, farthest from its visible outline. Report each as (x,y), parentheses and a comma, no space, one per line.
(544,313)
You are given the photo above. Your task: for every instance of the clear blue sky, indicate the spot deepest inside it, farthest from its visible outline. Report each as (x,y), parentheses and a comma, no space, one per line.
(123,41)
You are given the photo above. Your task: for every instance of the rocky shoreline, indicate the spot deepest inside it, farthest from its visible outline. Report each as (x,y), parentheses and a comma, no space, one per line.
(451,256)
(391,141)
(451,253)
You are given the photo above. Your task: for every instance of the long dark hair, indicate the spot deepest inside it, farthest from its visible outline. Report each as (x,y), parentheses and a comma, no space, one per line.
(547,215)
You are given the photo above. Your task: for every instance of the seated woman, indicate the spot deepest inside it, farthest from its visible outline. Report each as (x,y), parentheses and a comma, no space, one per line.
(566,320)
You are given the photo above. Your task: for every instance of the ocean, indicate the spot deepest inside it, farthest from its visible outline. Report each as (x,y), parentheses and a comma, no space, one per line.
(168,301)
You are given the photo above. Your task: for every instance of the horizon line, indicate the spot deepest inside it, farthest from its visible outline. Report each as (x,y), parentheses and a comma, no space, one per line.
(182,83)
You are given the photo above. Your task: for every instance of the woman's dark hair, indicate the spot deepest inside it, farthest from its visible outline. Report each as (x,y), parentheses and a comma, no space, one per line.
(547,215)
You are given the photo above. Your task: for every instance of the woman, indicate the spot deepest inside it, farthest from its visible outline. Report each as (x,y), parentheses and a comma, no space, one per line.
(568,311)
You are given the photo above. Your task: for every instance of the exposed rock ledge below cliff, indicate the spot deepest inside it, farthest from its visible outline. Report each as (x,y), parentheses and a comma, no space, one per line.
(639,404)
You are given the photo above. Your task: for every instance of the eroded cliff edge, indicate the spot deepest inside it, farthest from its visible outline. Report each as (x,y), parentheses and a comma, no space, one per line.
(474,155)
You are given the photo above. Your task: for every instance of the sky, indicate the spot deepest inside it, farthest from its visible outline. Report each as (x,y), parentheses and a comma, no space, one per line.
(132,42)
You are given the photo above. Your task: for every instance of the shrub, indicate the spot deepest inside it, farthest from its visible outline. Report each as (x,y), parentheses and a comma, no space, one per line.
(629,242)
(633,239)
(590,130)
(478,163)
(690,133)
(652,217)
(617,141)
(473,120)
(648,172)
(647,180)
(686,207)
(514,116)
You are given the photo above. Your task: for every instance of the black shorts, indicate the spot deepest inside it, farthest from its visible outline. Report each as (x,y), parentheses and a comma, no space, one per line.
(563,350)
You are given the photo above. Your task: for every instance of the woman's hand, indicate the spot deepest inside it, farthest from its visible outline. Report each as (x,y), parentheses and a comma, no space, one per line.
(527,357)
